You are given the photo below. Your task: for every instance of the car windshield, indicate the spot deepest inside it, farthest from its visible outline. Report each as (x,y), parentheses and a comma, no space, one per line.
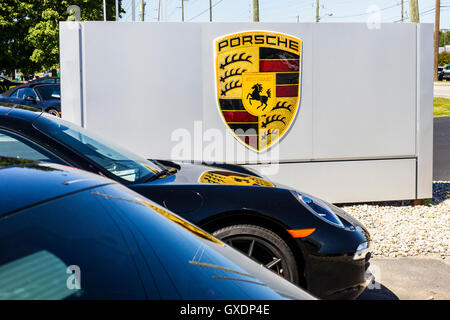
(119,162)
(49,92)
(47,80)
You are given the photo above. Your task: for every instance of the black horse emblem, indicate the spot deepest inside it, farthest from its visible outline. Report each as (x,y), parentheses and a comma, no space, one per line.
(256,95)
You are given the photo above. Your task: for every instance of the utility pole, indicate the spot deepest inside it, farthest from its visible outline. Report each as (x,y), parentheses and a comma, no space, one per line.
(159,9)
(142,10)
(133,10)
(317,11)
(436,37)
(182,10)
(414,11)
(210,10)
(402,11)
(104,10)
(255,10)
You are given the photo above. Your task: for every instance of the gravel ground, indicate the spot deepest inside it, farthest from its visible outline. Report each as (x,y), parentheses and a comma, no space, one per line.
(399,229)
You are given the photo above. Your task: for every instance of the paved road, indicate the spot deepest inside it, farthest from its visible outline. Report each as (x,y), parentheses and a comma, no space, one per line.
(442,89)
(412,278)
(441,149)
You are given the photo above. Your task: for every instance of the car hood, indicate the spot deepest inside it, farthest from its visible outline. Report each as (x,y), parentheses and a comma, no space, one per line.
(217,174)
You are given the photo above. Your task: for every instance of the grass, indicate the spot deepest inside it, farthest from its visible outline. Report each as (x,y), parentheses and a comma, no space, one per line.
(441,107)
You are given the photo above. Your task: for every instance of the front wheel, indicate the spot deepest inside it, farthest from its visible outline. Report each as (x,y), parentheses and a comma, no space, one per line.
(262,245)
(54,112)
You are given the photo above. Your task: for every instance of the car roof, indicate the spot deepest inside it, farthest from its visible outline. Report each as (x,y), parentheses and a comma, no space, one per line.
(28,85)
(42,78)
(39,80)
(25,183)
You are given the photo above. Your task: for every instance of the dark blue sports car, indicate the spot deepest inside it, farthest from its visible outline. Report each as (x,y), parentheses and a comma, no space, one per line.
(69,234)
(44,96)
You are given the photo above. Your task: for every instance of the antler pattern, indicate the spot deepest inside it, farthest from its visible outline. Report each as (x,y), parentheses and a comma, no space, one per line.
(268,132)
(232,73)
(235,58)
(272,119)
(230,86)
(212,179)
(283,105)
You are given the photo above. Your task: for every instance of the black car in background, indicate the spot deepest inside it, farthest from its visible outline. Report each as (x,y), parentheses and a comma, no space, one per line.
(46,97)
(69,234)
(440,73)
(304,239)
(6,84)
(444,74)
(54,80)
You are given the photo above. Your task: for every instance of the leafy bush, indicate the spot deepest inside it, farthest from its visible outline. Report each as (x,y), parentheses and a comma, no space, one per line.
(444,58)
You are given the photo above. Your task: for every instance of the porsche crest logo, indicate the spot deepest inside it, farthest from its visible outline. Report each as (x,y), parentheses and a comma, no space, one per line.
(258,78)
(232,178)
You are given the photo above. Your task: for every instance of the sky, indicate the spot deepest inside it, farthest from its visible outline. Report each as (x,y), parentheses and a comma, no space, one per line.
(291,10)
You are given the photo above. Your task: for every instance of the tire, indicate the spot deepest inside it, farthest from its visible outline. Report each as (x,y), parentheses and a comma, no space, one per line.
(267,249)
(53,112)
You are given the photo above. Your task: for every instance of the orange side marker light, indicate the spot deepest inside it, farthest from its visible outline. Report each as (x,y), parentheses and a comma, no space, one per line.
(301,233)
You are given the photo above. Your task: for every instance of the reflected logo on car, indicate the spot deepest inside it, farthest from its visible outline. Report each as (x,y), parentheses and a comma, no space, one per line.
(232,178)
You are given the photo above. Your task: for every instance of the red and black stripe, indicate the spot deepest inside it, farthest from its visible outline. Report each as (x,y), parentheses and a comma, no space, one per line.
(287,68)
(244,124)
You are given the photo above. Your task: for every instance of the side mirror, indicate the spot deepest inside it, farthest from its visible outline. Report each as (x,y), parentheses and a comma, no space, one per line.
(30,98)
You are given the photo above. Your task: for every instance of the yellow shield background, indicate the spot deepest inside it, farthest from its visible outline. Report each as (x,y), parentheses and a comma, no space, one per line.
(258,85)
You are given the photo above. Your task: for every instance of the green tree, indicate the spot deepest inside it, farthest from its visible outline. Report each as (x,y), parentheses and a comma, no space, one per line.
(29,30)
(443,58)
(15,51)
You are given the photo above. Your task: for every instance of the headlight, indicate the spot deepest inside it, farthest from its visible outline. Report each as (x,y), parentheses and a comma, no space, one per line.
(362,251)
(318,208)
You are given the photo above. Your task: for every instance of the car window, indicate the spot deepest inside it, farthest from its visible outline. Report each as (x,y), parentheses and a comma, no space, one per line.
(49,92)
(14,94)
(68,248)
(14,146)
(22,93)
(119,162)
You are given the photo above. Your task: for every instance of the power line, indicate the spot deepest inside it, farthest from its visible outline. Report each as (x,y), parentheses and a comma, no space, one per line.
(206,10)
(429,11)
(366,13)
(172,12)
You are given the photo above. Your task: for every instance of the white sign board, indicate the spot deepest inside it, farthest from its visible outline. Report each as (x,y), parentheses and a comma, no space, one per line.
(362,131)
